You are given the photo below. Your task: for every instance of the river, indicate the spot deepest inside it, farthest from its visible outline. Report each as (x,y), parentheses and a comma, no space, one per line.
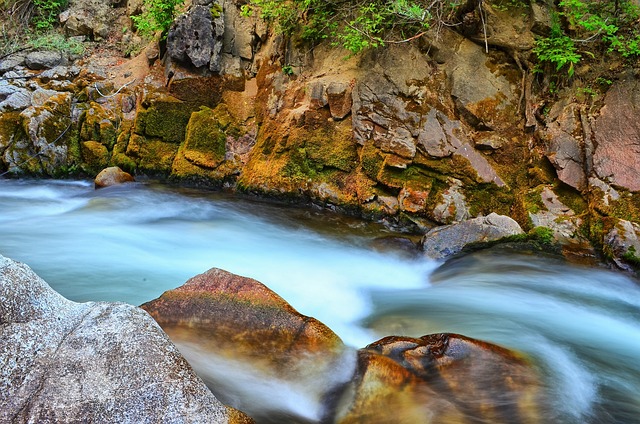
(131,243)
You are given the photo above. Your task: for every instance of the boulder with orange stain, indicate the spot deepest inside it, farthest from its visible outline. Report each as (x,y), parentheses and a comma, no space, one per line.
(441,378)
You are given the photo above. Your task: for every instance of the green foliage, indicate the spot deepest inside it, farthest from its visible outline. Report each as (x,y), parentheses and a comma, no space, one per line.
(55,41)
(287,70)
(558,50)
(157,16)
(590,24)
(354,25)
(46,13)
(630,256)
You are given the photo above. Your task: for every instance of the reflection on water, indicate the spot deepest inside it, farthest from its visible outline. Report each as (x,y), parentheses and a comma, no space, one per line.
(131,243)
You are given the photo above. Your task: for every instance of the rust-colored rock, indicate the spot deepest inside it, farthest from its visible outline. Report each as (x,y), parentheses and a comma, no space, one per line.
(242,318)
(112,176)
(441,378)
(251,330)
(617,133)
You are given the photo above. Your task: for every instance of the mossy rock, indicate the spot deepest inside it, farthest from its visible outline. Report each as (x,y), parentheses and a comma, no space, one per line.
(164,117)
(334,148)
(96,125)
(156,156)
(95,156)
(119,156)
(205,141)
(484,199)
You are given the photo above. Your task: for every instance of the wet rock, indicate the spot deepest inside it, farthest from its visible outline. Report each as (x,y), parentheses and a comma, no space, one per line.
(541,18)
(453,206)
(556,216)
(624,240)
(617,135)
(39,60)
(91,362)
(88,18)
(252,328)
(41,96)
(47,134)
(197,37)
(443,378)
(112,176)
(484,96)
(448,240)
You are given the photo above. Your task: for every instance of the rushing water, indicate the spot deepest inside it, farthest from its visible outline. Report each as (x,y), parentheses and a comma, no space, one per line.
(131,243)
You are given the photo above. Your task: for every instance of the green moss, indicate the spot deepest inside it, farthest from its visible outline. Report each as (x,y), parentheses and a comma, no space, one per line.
(205,141)
(156,157)
(570,197)
(630,256)
(331,149)
(298,166)
(96,125)
(486,198)
(533,200)
(372,160)
(216,10)
(165,117)
(627,207)
(95,156)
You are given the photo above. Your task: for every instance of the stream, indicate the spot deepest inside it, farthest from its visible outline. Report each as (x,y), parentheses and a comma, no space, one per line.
(131,243)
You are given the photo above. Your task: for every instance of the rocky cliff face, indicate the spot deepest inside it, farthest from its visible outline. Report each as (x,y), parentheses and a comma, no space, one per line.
(436,131)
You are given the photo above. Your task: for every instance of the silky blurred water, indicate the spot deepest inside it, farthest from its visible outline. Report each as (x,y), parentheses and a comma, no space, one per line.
(130,243)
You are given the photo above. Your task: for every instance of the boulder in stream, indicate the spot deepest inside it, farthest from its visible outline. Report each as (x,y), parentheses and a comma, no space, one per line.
(448,240)
(441,378)
(91,362)
(112,176)
(235,328)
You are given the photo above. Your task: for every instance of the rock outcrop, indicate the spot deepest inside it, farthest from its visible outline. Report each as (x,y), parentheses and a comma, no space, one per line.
(90,362)
(448,240)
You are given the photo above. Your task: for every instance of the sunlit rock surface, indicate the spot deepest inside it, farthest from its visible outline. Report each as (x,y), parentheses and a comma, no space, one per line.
(112,176)
(232,327)
(90,362)
(441,378)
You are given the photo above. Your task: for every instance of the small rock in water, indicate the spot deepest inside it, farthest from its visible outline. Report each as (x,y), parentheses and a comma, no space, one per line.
(112,176)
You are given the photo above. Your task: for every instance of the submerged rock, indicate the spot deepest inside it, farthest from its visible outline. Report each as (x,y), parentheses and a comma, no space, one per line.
(112,176)
(448,240)
(90,362)
(441,378)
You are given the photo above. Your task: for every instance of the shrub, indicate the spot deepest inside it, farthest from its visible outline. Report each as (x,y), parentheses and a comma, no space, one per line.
(157,15)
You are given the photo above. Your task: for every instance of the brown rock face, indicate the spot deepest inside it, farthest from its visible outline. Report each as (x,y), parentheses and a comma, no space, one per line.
(112,176)
(441,378)
(617,133)
(240,325)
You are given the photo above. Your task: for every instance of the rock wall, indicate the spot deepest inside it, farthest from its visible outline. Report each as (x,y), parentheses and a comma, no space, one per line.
(437,131)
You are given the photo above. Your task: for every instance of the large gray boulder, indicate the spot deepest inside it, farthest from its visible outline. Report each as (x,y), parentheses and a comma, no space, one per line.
(90,362)
(448,240)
